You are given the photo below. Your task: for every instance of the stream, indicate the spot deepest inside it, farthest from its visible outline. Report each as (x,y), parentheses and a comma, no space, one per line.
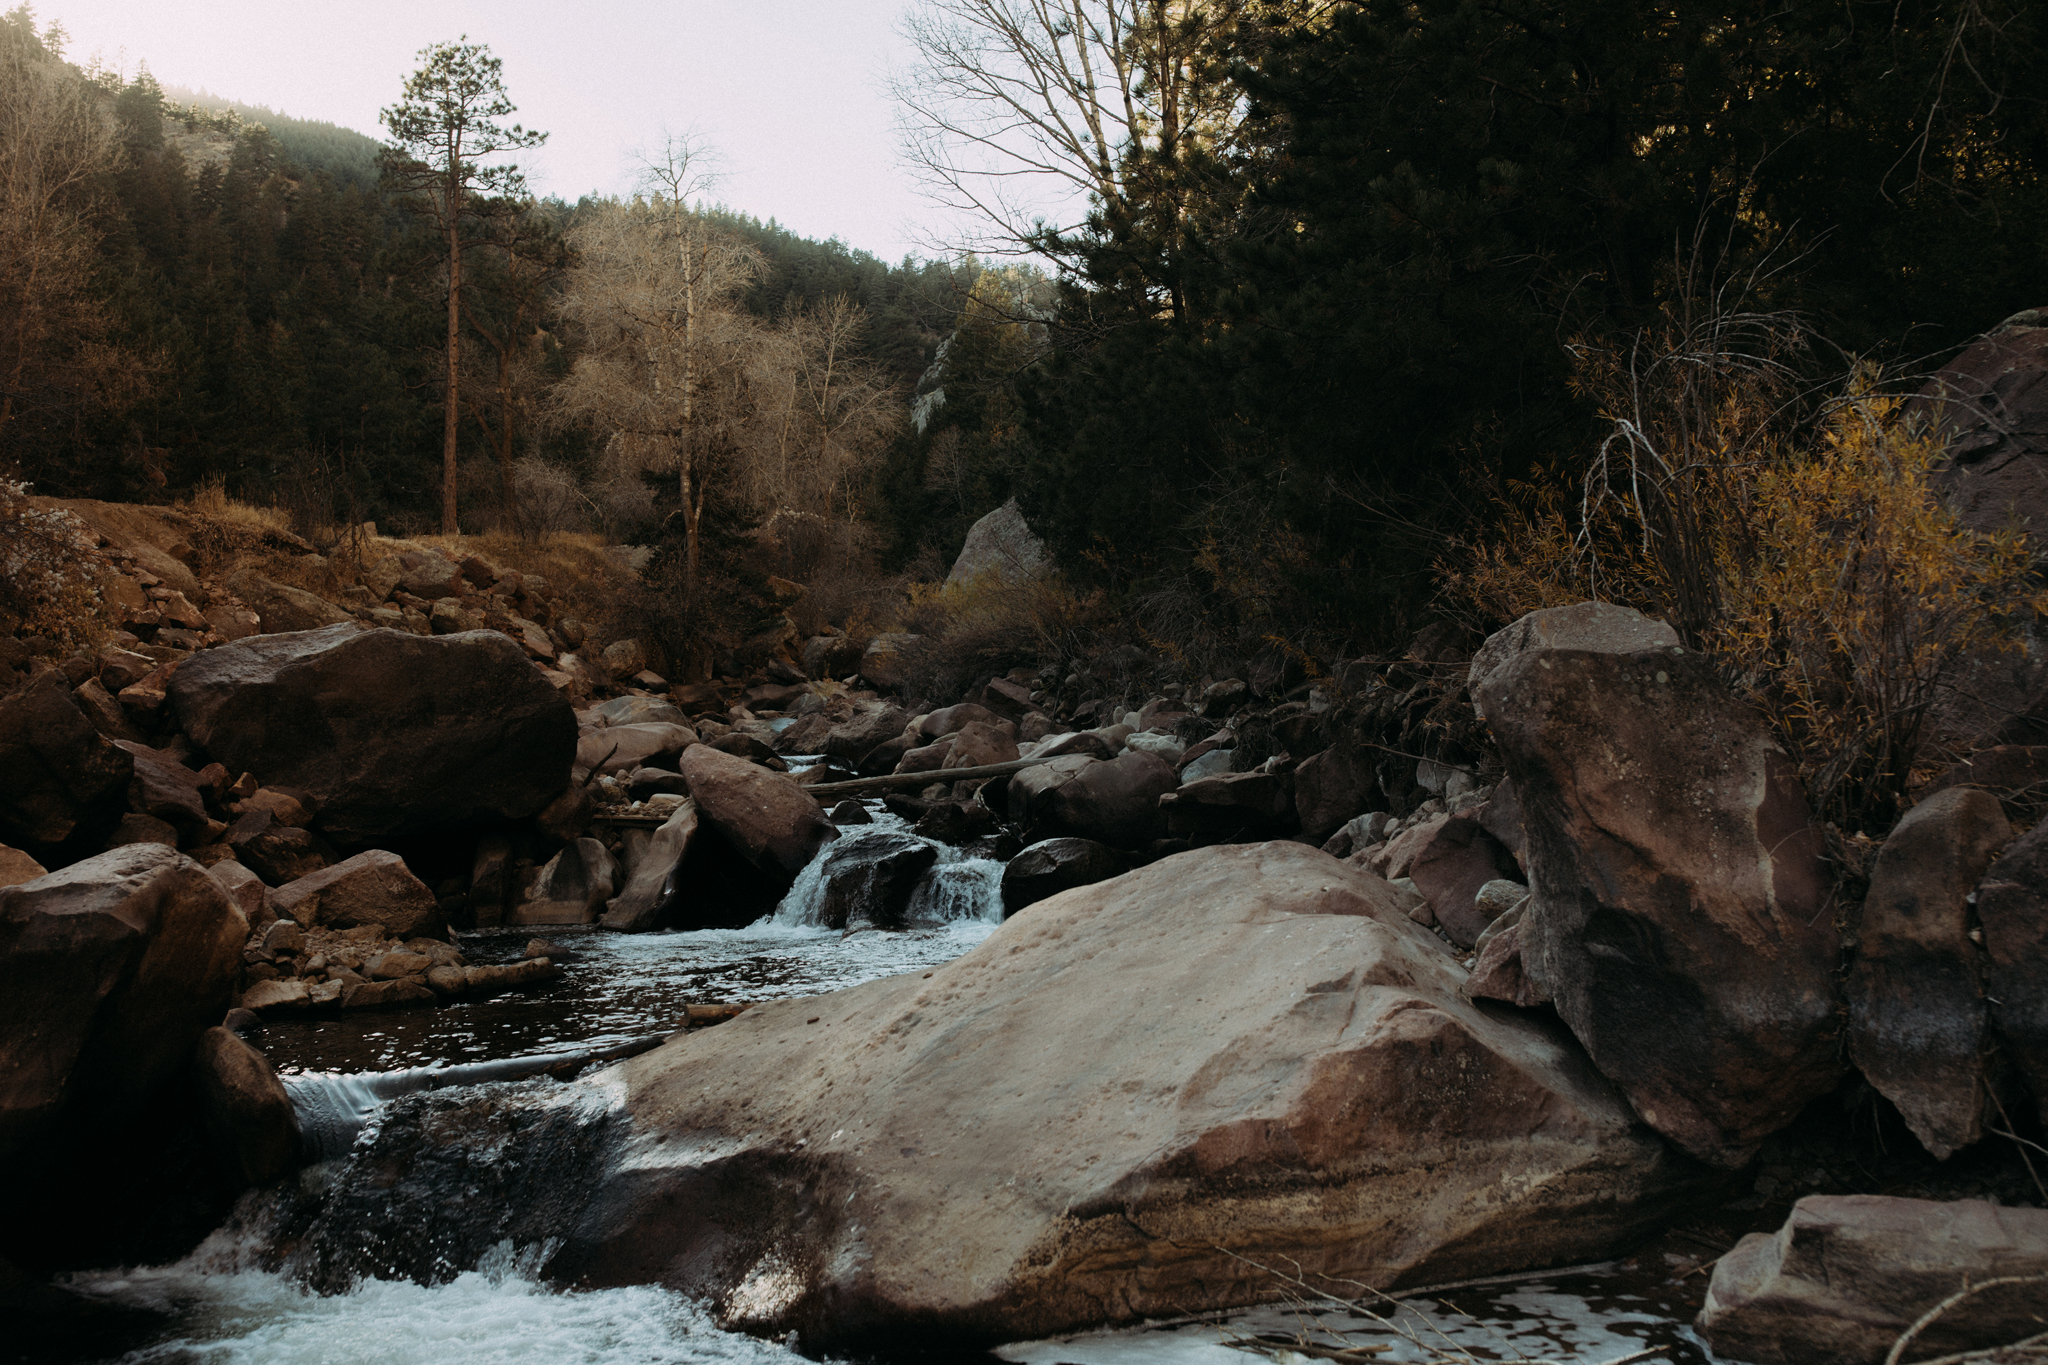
(621,993)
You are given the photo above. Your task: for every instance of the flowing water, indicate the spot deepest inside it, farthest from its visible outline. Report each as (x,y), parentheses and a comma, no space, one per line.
(622,993)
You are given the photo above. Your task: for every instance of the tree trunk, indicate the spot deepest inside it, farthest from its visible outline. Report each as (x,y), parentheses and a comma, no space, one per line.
(693,510)
(451,409)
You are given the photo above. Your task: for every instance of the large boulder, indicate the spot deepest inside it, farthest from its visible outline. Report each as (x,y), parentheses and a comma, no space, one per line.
(981,745)
(374,887)
(2012,908)
(1122,1105)
(110,969)
(1991,403)
(1051,866)
(1229,807)
(871,723)
(60,780)
(1332,787)
(1847,1274)
(1115,802)
(1680,916)
(1003,545)
(390,732)
(622,748)
(1596,627)
(774,823)
(1917,1017)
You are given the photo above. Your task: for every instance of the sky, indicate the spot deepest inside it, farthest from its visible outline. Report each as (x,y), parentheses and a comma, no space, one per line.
(789,92)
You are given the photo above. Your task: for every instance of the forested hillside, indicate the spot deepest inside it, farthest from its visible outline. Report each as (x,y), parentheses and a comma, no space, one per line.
(1358,285)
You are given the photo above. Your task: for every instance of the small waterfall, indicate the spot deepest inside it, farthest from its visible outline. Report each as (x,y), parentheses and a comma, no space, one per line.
(800,907)
(964,890)
(332,1110)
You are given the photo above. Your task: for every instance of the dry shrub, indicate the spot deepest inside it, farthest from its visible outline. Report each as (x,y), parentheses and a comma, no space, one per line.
(50,575)
(1803,547)
(224,532)
(988,626)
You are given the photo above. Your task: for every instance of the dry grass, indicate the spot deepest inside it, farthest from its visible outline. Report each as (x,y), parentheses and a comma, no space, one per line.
(988,626)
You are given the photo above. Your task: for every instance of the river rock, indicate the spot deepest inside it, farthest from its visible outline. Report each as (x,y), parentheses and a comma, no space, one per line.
(165,788)
(1679,913)
(1051,866)
(1594,627)
(1451,863)
(1118,1107)
(2012,908)
(374,887)
(882,663)
(1115,802)
(1917,1017)
(390,732)
(1332,787)
(282,607)
(1229,807)
(63,778)
(869,877)
(650,859)
(277,853)
(142,829)
(1846,1274)
(1000,546)
(570,888)
(110,969)
(245,889)
(872,723)
(631,710)
(245,1109)
(774,823)
(981,745)
(830,656)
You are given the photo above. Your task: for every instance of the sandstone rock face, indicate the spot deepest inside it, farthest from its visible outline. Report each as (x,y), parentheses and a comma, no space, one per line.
(1917,1017)
(61,775)
(1848,1273)
(648,866)
(1596,627)
(1001,544)
(775,824)
(1678,915)
(245,1108)
(109,971)
(390,732)
(1051,866)
(374,887)
(1239,1050)
(2012,908)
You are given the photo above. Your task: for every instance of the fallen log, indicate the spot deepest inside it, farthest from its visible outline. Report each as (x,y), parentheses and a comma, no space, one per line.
(894,780)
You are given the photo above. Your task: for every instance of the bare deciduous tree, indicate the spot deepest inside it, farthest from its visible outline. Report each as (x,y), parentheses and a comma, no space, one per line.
(664,374)
(830,412)
(1022,115)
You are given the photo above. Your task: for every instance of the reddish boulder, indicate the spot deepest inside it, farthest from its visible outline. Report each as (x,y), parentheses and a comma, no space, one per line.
(245,1108)
(774,823)
(1115,802)
(374,887)
(1679,915)
(980,744)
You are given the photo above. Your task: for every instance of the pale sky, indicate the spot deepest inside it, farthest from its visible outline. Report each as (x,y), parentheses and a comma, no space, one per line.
(788,91)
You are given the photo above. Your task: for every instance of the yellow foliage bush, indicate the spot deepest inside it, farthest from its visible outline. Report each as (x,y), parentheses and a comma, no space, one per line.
(50,575)
(1838,590)
(989,625)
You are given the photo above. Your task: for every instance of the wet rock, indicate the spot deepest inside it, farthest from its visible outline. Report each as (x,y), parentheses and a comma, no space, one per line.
(651,860)
(379,995)
(1591,627)
(1286,1040)
(1678,915)
(954,822)
(110,969)
(474,982)
(1051,866)
(571,888)
(751,749)
(245,1109)
(373,889)
(770,820)
(389,732)
(869,878)
(65,783)
(2012,908)
(851,812)
(1848,1273)
(1917,1017)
